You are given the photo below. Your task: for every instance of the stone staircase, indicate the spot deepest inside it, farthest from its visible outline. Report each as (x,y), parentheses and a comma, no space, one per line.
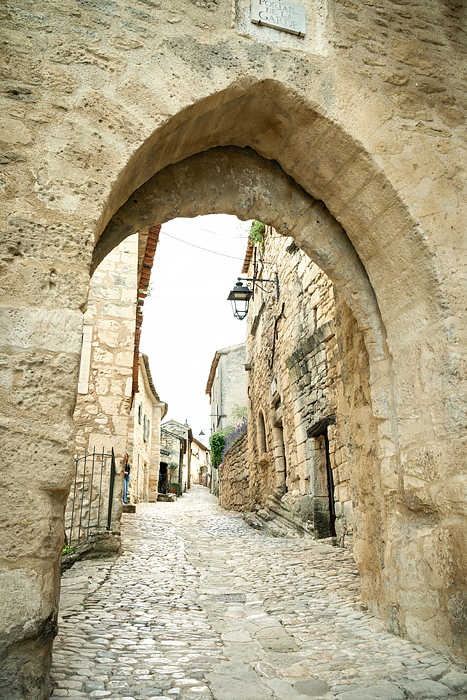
(280,518)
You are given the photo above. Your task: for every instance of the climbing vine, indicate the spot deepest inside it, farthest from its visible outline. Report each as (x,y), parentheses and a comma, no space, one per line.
(257,233)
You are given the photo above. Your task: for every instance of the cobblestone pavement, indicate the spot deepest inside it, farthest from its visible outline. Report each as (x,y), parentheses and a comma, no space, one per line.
(199,605)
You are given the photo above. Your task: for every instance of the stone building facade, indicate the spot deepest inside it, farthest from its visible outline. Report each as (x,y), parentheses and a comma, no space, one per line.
(104,397)
(105,374)
(350,139)
(226,388)
(110,403)
(144,437)
(176,439)
(297,451)
(226,385)
(200,462)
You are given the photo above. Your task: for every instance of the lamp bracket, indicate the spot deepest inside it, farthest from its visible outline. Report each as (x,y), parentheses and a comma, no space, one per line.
(255,281)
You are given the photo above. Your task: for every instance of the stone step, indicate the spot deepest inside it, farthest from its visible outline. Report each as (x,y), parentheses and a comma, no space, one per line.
(129,508)
(166,497)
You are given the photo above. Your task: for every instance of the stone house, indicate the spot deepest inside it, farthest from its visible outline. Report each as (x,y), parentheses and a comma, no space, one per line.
(200,462)
(144,437)
(176,439)
(298,465)
(112,379)
(106,368)
(226,385)
(227,389)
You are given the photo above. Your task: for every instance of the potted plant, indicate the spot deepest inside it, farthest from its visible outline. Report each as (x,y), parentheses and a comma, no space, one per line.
(173,486)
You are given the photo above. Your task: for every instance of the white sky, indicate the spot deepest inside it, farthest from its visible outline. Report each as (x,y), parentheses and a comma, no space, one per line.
(187,317)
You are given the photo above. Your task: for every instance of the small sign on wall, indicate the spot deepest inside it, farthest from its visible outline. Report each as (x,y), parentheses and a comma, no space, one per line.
(279,14)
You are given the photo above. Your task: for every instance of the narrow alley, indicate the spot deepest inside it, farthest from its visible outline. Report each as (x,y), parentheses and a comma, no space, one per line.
(201,605)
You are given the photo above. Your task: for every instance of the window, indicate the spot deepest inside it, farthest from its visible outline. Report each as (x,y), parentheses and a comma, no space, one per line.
(140,413)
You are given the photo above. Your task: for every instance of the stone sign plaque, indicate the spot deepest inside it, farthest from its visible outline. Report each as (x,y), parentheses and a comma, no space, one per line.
(286,16)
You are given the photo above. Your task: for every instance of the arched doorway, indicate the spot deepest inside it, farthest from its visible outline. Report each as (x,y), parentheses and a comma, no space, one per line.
(235,180)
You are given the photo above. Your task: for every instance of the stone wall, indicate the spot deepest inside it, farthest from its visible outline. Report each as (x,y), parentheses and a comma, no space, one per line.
(356,467)
(144,438)
(102,411)
(234,477)
(351,140)
(293,384)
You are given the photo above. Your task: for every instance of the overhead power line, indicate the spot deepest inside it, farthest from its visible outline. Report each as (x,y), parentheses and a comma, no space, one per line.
(201,228)
(214,252)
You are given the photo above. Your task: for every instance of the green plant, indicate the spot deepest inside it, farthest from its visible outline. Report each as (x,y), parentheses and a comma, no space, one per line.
(239,415)
(257,233)
(239,412)
(216,443)
(172,465)
(67,549)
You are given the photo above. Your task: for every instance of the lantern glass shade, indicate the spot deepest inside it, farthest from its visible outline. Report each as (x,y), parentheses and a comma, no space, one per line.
(240,297)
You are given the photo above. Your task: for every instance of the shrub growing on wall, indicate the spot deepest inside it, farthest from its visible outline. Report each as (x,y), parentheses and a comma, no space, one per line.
(237,426)
(257,233)
(221,440)
(216,443)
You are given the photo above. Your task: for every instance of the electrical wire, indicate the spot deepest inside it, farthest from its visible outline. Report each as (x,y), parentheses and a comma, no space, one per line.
(201,228)
(214,252)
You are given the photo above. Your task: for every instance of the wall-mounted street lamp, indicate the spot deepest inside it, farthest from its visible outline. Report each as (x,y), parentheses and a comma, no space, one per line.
(241,294)
(240,297)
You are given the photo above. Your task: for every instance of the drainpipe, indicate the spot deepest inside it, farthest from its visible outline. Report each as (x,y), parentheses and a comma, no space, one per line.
(180,468)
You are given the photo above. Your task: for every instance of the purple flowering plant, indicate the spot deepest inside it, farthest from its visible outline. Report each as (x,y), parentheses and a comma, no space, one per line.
(236,431)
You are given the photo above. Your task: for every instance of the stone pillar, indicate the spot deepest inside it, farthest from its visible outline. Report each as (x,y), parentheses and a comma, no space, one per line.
(45,285)
(279,458)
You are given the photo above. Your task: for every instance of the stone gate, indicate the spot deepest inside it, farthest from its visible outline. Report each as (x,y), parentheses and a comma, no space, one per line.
(348,136)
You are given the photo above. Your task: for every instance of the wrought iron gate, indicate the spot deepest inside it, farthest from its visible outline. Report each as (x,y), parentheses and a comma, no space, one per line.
(89,507)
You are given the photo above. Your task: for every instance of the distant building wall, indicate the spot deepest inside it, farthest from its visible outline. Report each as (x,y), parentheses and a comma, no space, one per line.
(183,431)
(144,440)
(199,462)
(228,386)
(227,389)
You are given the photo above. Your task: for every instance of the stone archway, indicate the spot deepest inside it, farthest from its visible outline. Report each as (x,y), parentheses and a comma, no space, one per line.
(238,180)
(118,120)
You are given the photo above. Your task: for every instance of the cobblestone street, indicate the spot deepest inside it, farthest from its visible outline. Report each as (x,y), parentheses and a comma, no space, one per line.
(199,605)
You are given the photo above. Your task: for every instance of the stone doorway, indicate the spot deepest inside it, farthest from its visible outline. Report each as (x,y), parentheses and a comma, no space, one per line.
(247,177)
(324,504)
(163,477)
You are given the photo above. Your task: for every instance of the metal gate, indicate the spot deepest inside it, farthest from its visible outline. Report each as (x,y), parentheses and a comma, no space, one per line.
(89,507)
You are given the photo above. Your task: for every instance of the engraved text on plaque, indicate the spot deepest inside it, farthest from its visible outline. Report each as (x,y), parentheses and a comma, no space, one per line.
(286,16)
